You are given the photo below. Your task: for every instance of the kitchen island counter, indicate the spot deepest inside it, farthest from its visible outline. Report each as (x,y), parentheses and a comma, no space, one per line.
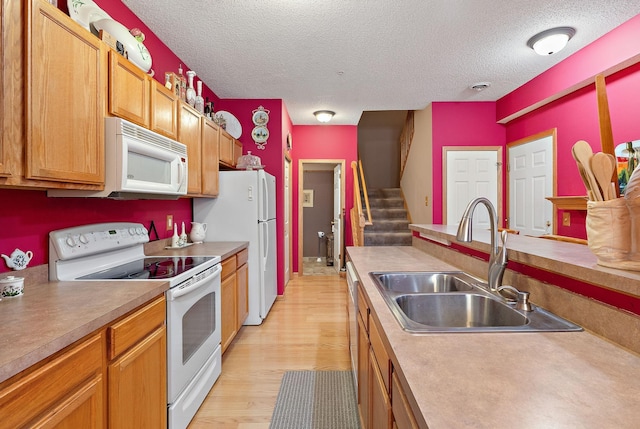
(52,315)
(500,380)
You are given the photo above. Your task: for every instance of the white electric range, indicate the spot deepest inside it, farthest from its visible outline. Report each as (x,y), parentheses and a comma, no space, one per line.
(115,252)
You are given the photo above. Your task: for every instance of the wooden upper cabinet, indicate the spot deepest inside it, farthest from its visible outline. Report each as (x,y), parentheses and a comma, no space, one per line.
(190,134)
(64,107)
(129,90)
(226,148)
(164,110)
(237,151)
(210,161)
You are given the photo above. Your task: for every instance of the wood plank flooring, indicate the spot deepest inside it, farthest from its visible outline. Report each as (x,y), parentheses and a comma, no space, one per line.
(306,330)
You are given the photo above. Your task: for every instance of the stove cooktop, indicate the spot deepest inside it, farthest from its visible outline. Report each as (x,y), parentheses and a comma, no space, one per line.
(155,268)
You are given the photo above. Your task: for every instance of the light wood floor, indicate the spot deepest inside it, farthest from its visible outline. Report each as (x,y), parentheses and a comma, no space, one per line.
(306,329)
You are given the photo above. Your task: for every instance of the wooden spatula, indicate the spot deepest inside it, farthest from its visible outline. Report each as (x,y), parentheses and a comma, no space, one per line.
(602,171)
(582,153)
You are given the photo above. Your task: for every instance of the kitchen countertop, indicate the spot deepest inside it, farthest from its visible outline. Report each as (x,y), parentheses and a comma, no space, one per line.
(52,315)
(502,380)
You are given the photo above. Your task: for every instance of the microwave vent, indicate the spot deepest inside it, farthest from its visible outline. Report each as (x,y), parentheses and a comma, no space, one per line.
(139,133)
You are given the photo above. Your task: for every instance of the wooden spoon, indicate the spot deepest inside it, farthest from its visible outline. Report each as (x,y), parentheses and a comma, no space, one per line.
(582,153)
(602,171)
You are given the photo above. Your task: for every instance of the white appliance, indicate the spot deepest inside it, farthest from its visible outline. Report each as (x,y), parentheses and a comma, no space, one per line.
(352,319)
(245,210)
(115,252)
(139,164)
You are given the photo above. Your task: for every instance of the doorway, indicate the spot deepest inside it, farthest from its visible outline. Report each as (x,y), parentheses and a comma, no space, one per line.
(470,172)
(287,220)
(531,163)
(321,194)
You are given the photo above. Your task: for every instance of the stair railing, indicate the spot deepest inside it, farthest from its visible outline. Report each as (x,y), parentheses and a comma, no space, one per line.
(358,220)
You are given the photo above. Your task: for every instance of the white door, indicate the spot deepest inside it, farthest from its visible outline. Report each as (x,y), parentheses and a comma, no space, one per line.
(471,174)
(287,221)
(336,223)
(530,182)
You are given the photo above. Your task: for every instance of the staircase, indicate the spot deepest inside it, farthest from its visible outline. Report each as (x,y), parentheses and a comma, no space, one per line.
(390,221)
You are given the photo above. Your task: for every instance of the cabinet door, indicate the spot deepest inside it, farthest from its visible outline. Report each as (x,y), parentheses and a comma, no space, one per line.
(210,161)
(138,385)
(64,98)
(363,374)
(164,110)
(228,311)
(379,405)
(226,148)
(190,134)
(242,283)
(237,151)
(402,414)
(129,92)
(66,392)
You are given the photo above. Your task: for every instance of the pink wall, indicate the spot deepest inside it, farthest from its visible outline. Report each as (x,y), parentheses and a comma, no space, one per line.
(461,124)
(27,217)
(324,142)
(576,115)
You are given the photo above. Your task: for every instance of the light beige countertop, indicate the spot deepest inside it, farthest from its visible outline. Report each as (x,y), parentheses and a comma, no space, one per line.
(502,380)
(52,315)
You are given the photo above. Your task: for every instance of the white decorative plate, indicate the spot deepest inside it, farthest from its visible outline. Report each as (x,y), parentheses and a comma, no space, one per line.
(260,134)
(233,125)
(137,52)
(84,12)
(260,117)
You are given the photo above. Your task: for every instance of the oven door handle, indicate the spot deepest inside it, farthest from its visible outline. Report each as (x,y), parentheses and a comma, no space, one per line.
(173,294)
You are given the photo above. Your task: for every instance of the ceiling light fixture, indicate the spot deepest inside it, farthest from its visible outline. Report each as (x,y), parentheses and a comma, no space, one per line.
(480,86)
(551,41)
(323,115)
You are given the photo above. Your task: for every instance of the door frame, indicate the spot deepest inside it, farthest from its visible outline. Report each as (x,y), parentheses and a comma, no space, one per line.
(301,166)
(289,209)
(500,172)
(553,133)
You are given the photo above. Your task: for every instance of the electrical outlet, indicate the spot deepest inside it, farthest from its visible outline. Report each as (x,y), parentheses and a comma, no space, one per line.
(169,222)
(426,201)
(566,219)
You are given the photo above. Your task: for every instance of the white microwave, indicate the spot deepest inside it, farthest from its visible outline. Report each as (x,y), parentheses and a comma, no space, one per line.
(140,164)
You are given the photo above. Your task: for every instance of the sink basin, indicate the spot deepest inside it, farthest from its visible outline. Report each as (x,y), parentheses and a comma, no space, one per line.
(453,301)
(458,310)
(425,282)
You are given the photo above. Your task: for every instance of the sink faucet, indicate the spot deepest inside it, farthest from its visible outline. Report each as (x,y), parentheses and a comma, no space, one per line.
(498,256)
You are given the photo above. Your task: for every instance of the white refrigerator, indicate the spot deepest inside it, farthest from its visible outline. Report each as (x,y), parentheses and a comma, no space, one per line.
(245,210)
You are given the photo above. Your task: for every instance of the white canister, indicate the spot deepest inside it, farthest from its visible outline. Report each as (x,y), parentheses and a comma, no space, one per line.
(11,286)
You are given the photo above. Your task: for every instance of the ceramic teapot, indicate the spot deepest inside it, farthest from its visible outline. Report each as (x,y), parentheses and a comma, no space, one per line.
(18,260)
(198,231)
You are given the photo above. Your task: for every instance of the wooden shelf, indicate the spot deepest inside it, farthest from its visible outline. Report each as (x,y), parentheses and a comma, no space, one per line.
(569,203)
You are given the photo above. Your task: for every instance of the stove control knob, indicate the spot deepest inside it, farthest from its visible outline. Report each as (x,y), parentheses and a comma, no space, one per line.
(70,241)
(132,231)
(139,231)
(83,239)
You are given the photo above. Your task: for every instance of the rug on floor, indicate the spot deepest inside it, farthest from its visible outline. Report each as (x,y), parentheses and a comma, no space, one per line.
(316,400)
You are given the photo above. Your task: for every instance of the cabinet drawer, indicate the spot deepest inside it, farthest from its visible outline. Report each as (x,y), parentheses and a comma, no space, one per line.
(133,328)
(382,358)
(228,267)
(70,384)
(243,257)
(363,309)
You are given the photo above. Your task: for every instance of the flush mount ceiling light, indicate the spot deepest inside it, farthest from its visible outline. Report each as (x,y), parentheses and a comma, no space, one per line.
(323,115)
(551,41)
(480,86)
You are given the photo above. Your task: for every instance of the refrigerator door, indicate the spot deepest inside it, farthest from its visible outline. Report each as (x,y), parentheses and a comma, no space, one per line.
(267,266)
(267,185)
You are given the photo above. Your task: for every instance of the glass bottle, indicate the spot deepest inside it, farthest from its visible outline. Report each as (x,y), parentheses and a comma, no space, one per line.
(183,84)
(199,103)
(191,92)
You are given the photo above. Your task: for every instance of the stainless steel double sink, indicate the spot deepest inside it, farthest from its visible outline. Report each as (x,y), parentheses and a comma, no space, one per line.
(453,301)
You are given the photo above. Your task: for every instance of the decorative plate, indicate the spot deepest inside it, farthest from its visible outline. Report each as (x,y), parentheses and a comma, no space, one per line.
(233,125)
(260,134)
(136,51)
(84,12)
(260,117)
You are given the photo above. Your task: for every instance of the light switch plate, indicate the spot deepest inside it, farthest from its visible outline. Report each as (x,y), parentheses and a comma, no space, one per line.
(566,219)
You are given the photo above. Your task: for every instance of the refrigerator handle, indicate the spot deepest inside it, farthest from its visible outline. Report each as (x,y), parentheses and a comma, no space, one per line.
(265,241)
(265,198)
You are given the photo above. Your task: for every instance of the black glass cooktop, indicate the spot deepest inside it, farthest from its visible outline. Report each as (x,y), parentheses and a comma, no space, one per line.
(150,268)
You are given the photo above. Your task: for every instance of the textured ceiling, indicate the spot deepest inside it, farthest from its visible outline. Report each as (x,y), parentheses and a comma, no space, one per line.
(352,56)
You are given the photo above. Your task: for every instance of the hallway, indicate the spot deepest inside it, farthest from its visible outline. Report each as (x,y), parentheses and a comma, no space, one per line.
(305,330)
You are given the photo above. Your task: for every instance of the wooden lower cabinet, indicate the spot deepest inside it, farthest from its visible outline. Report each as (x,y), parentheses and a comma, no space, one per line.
(234,296)
(402,416)
(379,402)
(114,378)
(363,373)
(66,392)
